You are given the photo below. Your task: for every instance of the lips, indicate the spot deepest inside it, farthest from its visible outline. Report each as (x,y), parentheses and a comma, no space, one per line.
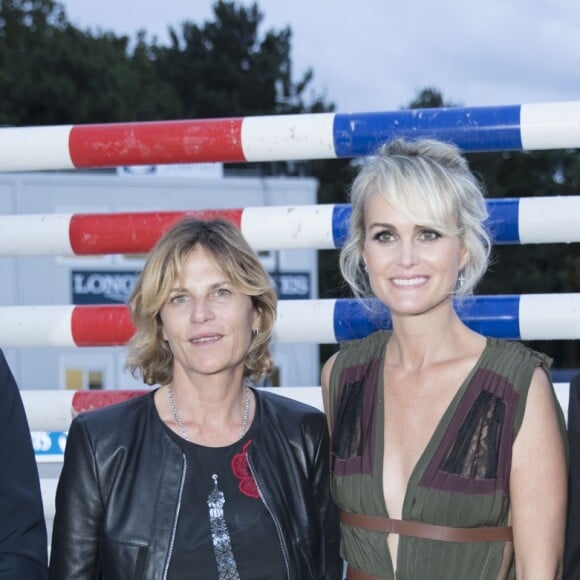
(408,282)
(205,339)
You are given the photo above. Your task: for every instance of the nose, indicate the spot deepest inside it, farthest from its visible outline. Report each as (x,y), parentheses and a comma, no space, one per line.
(201,310)
(408,254)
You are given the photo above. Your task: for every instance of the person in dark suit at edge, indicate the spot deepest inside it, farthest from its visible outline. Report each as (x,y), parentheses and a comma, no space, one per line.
(23,543)
(572,549)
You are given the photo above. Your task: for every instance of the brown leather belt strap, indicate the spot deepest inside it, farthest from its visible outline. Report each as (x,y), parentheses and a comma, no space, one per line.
(426,531)
(355,574)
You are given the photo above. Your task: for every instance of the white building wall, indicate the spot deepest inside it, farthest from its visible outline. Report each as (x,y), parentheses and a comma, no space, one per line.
(46,280)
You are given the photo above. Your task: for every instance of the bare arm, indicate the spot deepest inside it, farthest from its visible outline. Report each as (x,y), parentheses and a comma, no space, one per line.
(538,486)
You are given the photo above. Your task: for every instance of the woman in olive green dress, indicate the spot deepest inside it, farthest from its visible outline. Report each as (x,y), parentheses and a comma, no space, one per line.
(448,457)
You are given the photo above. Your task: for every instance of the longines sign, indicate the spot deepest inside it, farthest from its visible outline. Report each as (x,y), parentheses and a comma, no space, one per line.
(292,285)
(115,286)
(102,287)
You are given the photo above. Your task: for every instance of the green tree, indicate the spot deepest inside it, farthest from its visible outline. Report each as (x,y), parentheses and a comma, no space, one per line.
(226,68)
(53,73)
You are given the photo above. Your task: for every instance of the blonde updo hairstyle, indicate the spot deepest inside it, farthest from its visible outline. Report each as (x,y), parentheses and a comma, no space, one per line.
(432,176)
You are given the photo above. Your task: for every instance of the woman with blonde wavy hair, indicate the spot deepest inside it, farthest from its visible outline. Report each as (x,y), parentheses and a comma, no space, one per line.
(206,477)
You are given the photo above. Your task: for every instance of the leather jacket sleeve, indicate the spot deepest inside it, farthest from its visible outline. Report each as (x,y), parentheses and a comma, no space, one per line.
(23,542)
(79,509)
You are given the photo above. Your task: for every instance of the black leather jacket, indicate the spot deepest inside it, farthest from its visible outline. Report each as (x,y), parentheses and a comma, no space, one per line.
(121,484)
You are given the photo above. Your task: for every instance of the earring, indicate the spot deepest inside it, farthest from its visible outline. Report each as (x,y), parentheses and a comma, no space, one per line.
(460,280)
(255,331)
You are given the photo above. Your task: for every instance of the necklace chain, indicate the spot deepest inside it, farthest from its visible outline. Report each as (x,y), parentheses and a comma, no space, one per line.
(179,422)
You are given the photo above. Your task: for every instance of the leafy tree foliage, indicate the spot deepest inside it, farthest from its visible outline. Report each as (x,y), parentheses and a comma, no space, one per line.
(54,73)
(224,68)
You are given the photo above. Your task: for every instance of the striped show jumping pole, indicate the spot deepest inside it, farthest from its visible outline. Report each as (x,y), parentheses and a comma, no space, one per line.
(533,220)
(286,137)
(516,317)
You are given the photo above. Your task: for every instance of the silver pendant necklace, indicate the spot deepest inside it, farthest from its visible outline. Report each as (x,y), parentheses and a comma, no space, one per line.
(179,422)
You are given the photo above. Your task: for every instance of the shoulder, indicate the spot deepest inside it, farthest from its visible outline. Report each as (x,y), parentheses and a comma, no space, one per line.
(117,416)
(357,352)
(12,413)
(516,363)
(519,353)
(113,433)
(3,362)
(285,422)
(283,404)
(8,387)
(289,414)
(528,371)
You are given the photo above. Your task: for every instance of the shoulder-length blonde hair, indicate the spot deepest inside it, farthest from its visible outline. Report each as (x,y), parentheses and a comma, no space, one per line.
(149,355)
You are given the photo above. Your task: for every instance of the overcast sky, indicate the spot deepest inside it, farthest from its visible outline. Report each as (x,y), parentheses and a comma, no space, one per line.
(376,55)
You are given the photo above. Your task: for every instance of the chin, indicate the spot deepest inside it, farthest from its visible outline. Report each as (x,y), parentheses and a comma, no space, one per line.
(414,308)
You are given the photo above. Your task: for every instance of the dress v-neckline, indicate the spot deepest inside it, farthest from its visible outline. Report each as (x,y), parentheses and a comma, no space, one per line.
(427,452)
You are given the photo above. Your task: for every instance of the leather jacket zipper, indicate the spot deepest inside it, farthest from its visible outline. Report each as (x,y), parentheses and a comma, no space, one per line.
(276,522)
(175,518)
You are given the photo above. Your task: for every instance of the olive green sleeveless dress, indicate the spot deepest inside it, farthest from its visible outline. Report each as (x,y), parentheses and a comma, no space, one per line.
(460,480)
